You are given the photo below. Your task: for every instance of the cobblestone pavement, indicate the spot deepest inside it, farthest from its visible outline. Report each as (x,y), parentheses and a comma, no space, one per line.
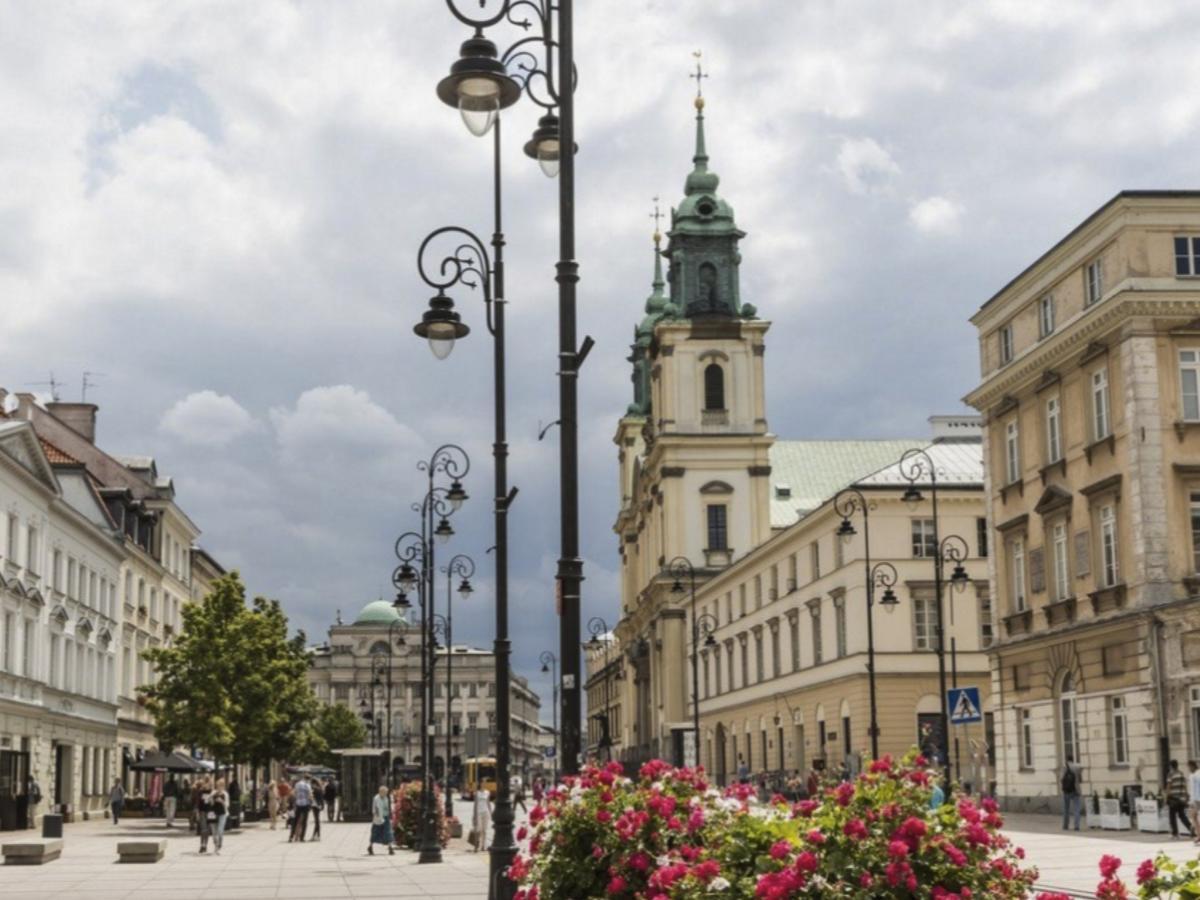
(1069,860)
(255,863)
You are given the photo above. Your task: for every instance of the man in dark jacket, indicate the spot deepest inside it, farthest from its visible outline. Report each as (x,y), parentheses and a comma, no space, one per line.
(1070,795)
(331,795)
(170,801)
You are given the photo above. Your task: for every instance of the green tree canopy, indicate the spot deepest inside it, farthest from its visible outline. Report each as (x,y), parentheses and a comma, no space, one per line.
(336,728)
(233,682)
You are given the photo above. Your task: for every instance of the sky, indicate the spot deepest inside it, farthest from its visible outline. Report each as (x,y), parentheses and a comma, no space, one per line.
(216,207)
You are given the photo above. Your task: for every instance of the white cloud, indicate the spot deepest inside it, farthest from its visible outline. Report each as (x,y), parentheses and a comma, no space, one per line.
(208,419)
(864,165)
(338,423)
(935,215)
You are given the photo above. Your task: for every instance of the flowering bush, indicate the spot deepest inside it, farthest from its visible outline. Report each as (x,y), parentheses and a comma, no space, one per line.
(1158,879)
(670,836)
(406,815)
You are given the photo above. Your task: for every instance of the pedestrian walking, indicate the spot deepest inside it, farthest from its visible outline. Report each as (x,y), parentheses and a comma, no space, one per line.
(304,797)
(170,801)
(481,820)
(381,821)
(33,796)
(743,770)
(205,816)
(519,799)
(220,802)
(1194,797)
(116,800)
(331,801)
(813,783)
(1070,794)
(273,802)
(1177,800)
(318,791)
(539,790)
(194,814)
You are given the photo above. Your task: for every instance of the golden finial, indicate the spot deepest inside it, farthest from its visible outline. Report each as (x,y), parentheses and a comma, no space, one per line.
(698,75)
(656,216)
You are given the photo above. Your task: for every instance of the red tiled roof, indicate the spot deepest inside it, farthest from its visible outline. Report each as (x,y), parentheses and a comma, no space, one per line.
(56,456)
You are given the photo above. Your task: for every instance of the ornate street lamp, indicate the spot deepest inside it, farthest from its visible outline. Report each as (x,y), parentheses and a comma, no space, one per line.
(596,628)
(702,625)
(462,567)
(550,666)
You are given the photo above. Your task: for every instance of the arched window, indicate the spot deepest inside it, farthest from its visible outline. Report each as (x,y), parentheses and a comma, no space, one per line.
(1068,719)
(714,387)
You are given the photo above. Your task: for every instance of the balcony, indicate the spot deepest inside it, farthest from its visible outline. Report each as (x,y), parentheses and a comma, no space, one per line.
(1108,598)
(1018,623)
(1060,612)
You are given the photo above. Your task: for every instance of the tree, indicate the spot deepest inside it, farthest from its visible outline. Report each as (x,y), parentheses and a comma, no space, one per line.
(233,682)
(336,728)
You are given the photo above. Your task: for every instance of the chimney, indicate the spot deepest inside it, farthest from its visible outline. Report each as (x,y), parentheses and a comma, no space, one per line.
(79,417)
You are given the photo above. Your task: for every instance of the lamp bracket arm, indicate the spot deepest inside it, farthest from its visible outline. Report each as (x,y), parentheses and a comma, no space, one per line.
(486,19)
(542,431)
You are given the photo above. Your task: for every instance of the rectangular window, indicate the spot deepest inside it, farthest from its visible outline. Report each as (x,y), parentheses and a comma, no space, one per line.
(1094,280)
(981,537)
(1195,511)
(793,574)
(13,539)
(759,667)
(986,634)
(1012,452)
(773,593)
(717,535)
(56,571)
(717,668)
(27,649)
(745,662)
(1053,431)
(794,640)
(839,621)
(924,540)
(1016,586)
(1062,582)
(704,680)
(1108,545)
(839,550)
(1189,385)
(729,663)
(776,662)
(1187,255)
(816,636)
(758,592)
(814,552)
(72,579)
(7,640)
(1006,344)
(32,563)
(1026,739)
(1120,731)
(1100,423)
(741,599)
(1046,316)
(922,623)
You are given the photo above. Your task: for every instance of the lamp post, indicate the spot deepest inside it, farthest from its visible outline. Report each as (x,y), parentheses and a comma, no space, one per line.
(953,550)
(550,665)
(480,86)
(597,626)
(679,568)
(462,567)
(916,464)
(439,503)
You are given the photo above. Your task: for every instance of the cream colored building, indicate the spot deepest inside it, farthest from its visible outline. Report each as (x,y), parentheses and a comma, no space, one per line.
(702,477)
(604,669)
(1090,392)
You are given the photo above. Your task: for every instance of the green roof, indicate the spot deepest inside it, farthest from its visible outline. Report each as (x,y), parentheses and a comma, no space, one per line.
(377,612)
(804,474)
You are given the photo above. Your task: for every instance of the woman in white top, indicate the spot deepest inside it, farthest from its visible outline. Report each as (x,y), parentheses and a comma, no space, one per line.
(219,801)
(381,821)
(481,819)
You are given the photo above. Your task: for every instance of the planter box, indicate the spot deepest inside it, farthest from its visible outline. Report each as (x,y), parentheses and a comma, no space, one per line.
(1150,818)
(1111,818)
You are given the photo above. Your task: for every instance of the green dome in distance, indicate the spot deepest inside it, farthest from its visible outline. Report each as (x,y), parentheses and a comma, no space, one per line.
(377,612)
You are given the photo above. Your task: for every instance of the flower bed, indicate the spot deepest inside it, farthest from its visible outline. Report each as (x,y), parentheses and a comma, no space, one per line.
(1158,879)
(671,836)
(406,815)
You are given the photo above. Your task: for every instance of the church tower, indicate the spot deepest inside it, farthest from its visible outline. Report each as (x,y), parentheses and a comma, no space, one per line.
(693,447)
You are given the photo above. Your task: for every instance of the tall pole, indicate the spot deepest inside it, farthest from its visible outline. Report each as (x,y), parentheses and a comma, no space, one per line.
(550,664)
(570,566)
(449,798)
(845,504)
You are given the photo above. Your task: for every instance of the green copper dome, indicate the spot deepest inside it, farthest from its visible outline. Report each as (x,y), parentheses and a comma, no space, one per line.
(377,612)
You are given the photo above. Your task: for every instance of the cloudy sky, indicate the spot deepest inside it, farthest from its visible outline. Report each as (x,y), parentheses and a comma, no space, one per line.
(217,206)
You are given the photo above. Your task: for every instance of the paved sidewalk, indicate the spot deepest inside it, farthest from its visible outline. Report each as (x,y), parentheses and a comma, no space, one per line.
(255,863)
(1069,860)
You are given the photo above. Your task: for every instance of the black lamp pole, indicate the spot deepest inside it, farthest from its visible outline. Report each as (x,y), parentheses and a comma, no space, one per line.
(481,83)
(916,464)
(550,665)
(439,503)
(463,567)
(953,550)
(597,627)
(679,568)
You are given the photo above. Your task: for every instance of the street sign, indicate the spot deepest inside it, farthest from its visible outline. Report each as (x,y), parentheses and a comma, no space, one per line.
(548,752)
(964,705)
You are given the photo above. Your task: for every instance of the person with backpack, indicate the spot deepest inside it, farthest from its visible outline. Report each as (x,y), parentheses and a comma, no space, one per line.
(1177,800)
(1071,796)
(331,795)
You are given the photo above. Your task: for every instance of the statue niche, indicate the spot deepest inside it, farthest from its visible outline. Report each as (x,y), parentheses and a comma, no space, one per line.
(708,300)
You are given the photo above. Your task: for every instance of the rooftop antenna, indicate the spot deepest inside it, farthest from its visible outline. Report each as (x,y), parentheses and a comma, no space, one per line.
(52,384)
(89,380)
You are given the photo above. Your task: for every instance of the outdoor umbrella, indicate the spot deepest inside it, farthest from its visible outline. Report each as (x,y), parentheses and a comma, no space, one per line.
(157,761)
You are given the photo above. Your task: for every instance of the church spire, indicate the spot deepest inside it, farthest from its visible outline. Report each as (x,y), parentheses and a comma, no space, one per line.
(700,180)
(658,282)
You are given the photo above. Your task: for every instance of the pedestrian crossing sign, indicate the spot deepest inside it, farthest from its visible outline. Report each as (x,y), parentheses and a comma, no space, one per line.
(964,705)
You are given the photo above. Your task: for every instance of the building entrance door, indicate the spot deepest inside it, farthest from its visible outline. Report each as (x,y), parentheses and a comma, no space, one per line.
(14,781)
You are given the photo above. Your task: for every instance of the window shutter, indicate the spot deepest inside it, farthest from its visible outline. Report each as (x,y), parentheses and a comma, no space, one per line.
(1037,570)
(1083,553)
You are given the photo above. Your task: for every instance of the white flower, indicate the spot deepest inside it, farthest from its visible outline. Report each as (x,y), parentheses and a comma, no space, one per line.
(663,862)
(718,884)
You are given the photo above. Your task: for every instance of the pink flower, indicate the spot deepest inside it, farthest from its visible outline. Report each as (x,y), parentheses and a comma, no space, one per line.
(707,870)
(616,886)
(956,856)
(639,861)
(855,829)
(897,849)
(781,850)
(1109,865)
(1146,871)
(522,833)
(603,816)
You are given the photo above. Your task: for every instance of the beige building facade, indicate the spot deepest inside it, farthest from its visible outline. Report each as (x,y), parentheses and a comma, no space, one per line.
(1090,392)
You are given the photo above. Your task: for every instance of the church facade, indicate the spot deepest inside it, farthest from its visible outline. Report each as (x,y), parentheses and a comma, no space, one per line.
(770,648)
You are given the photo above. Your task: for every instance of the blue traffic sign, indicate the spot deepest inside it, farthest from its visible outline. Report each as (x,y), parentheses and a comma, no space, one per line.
(964,705)
(548,752)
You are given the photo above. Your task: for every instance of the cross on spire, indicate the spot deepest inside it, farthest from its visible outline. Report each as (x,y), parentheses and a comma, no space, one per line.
(698,74)
(656,216)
